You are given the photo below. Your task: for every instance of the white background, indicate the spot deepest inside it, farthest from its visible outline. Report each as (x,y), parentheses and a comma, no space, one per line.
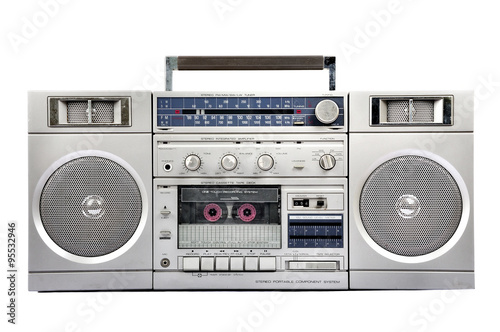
(420,45)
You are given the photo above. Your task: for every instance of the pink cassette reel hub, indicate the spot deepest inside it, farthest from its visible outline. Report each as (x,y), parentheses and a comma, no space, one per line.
(212,212)
(247,212)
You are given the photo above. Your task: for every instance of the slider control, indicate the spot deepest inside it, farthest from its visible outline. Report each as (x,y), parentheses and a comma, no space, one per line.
(165,235)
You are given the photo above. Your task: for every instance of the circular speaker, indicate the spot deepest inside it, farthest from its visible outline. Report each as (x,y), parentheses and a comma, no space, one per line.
(410,206)
(91,206)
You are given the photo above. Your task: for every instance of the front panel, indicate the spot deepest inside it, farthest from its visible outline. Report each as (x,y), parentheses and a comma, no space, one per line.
(216,190)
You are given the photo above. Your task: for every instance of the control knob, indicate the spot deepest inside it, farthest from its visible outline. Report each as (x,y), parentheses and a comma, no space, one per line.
(326,111)
(265,162)
(327,162)
(192,162)
(229,162)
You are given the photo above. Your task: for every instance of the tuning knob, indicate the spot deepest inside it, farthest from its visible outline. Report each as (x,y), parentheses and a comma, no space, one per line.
(229,162)
(265,162)
(192,162)
(327,162)
(327,111)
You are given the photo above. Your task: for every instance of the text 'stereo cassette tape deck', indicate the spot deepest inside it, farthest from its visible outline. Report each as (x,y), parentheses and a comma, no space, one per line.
(250,190)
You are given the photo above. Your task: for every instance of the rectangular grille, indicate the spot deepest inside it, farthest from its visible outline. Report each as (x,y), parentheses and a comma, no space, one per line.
(409,110)
(103,112)
(91,111)
(399,110)
(77,111)
(424,111)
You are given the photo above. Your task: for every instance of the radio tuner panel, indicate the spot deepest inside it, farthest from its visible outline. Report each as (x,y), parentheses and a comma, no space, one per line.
(212,112)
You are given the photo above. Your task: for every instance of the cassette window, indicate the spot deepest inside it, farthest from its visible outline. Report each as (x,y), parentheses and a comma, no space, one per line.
(229,217)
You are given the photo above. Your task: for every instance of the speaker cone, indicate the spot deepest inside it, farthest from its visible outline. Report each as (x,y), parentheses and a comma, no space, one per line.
(90,206)
(410,205)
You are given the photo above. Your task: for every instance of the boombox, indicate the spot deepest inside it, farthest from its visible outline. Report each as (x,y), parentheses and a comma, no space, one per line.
(139,190)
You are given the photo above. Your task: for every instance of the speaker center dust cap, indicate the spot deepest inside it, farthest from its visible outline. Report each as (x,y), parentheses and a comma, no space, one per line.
(408,206)
(92,207)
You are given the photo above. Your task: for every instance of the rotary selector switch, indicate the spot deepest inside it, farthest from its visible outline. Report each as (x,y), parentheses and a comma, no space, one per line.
(192,162)
(265,162)
(229,162)
(326,111)
(327,162)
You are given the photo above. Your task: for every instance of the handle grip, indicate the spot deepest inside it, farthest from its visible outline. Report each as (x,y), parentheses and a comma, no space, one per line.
(250,63)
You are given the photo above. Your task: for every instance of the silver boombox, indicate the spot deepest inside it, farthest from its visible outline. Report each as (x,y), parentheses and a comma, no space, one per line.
(214,190)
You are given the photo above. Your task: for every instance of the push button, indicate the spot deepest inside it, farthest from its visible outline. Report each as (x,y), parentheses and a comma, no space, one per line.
(221,263)
(267,263)
(251,263)
(191,263)
(236,264)
(207,263)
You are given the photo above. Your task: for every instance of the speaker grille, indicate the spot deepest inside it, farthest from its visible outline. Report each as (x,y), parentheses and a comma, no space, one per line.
(77,111)
(103,112)
(90,206)
(398,111)
(424,111)
(410,206)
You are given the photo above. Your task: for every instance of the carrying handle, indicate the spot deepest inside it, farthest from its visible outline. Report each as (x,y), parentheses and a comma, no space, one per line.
(250,63)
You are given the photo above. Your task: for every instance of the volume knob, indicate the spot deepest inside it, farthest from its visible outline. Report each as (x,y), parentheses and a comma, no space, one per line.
(327,162)
(326,111)
(265,162)
(192,162)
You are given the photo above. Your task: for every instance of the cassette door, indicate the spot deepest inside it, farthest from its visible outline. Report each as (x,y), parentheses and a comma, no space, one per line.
(411,216)
(90,192)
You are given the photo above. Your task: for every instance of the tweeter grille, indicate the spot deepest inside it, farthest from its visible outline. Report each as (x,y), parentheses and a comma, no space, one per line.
(397,111)
(103,112)
(90,206)
(410,206)
(89,111)
(77,111)
(423,111)
(401,111)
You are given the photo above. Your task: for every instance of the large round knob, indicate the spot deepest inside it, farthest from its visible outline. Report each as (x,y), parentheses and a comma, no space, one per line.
(229,162)
(192,162)
(265,162)
(327,162)
(327,111)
